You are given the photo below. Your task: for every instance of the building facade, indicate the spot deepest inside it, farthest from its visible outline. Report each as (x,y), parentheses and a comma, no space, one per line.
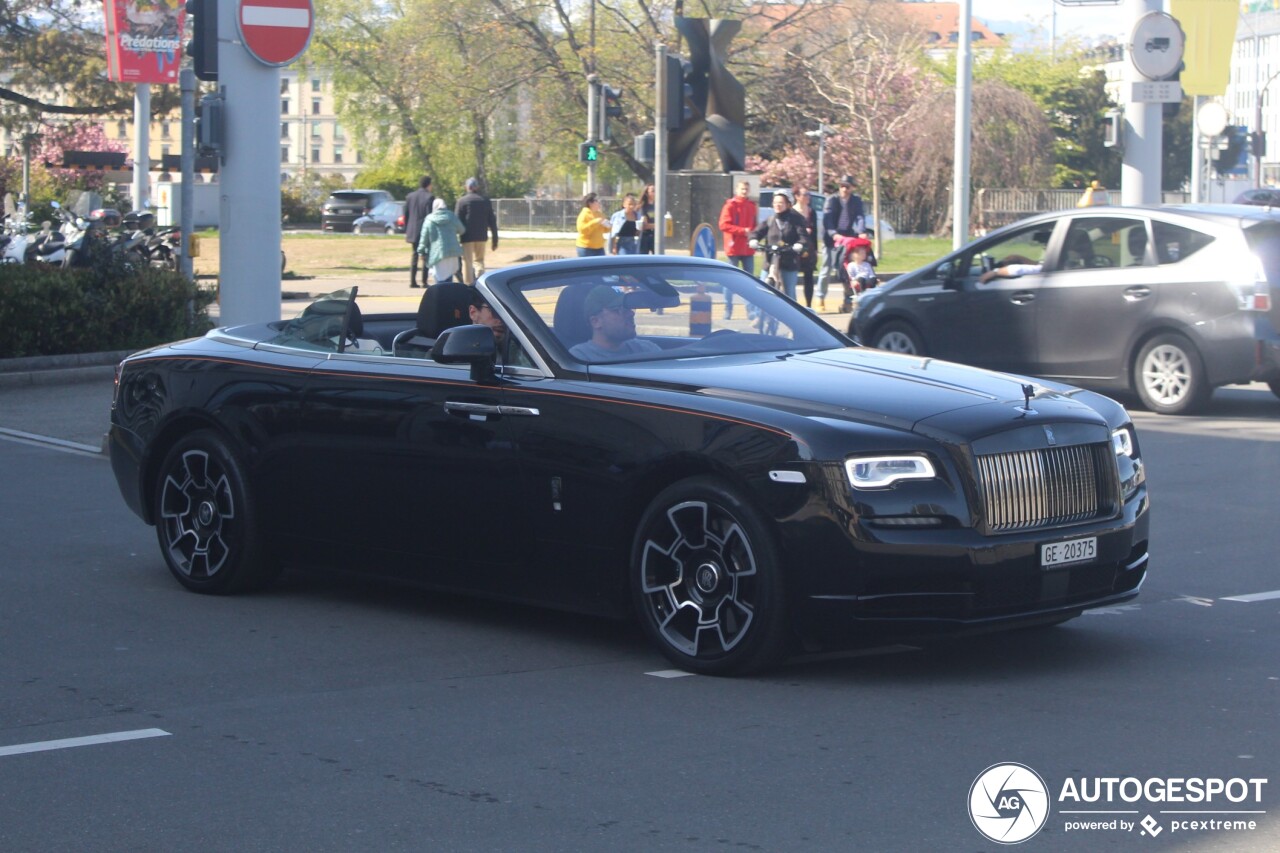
(312,140)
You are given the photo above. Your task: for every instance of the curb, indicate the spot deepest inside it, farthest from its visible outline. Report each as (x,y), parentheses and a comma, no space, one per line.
(59,369)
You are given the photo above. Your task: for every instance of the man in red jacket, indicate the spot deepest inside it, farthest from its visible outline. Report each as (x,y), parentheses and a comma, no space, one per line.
(737,221)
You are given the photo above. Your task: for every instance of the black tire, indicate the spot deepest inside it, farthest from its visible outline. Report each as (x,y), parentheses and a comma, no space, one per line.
(1169,376)
(706,580)
(1274,385)
(206,519)
(897,336)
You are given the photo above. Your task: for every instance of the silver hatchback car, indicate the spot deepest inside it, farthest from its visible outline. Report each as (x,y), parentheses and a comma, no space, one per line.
(1167,302)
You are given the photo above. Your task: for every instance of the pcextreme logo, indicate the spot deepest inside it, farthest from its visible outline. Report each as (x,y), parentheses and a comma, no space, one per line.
(1009,803)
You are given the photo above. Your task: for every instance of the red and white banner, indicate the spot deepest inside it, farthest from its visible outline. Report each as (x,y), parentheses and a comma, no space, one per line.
(144,40)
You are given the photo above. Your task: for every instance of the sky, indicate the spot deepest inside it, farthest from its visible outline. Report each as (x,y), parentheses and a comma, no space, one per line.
(1085,22)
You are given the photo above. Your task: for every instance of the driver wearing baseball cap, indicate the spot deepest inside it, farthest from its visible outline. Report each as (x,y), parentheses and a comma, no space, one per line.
(613,328)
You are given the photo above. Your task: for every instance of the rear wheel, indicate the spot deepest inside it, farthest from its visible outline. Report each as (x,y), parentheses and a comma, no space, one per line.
(1170,377)
(897,336)
(706,580)
(205,519)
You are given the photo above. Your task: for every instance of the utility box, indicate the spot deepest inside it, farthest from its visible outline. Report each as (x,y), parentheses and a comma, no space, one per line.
(204,203)
(694,197)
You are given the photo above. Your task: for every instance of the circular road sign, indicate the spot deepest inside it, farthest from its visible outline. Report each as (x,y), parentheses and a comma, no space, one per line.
(275,32)
(1211,118)
(1156,44)
(703,242)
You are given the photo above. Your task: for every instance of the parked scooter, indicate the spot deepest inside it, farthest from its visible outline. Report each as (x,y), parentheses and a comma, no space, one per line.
(17,229)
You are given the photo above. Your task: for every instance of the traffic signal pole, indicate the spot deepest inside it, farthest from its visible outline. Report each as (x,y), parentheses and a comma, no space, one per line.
(660,151)
(593,125)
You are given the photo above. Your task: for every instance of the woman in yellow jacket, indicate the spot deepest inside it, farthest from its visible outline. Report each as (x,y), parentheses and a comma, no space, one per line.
(592,225)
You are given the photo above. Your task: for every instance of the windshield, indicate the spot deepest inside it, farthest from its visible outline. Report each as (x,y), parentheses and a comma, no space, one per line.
(325,325)
(667,312)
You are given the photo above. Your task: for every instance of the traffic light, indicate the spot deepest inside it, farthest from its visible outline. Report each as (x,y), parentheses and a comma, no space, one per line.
(645,145)
(679,91)
(1113,129)
(589,152)
(203,47)
(1229,156)
(210,117)
(610,107)
(1258,143)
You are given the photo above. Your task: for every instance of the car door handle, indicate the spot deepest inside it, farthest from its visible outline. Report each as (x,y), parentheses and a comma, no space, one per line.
(454,407)
(1022,297)
(1137,292)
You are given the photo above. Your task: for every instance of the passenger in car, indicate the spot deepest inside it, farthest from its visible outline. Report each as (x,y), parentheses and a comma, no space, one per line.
(613,328)
(1014,266)
(508,349)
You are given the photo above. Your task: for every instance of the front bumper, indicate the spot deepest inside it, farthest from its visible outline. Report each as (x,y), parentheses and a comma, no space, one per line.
(926,582)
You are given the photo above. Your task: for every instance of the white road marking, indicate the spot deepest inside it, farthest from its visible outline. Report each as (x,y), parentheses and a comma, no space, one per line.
(49,441)
(1257,596)
(1112,611)
(669,673)
(1195,599)
(91,740)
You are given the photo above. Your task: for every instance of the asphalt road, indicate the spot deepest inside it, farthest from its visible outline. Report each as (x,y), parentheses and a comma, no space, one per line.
(341,714)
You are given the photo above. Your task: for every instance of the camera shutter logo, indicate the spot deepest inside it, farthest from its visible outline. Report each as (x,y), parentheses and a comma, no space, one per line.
(1008,803)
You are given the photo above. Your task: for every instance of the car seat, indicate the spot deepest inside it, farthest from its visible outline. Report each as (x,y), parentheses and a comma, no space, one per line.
(570,320)
(442,306)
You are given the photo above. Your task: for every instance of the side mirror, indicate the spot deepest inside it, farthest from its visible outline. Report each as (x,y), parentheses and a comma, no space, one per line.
(473,345)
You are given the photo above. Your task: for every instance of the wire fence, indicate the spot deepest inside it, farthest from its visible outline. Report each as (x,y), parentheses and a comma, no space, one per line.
(992,208)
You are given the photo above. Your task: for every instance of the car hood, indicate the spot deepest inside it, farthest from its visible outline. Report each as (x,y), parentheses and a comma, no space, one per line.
(946,400)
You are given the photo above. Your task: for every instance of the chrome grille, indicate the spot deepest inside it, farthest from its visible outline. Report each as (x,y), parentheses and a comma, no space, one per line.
(1046,488)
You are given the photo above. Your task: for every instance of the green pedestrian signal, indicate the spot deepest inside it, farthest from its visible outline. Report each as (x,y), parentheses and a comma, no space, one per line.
(589,152)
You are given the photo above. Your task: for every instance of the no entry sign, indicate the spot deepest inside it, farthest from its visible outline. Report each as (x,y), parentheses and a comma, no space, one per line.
(275,32)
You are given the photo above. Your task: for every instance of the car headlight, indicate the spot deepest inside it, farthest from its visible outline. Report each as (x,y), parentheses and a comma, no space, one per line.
(878,472)
(1122,442)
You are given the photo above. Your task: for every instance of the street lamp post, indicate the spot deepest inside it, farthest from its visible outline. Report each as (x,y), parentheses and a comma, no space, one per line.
(1257,127)
(822,133)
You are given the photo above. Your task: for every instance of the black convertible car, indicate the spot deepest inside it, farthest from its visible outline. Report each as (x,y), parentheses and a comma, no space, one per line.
(590,435)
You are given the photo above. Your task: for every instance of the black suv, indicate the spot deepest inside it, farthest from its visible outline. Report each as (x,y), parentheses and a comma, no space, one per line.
(343,207)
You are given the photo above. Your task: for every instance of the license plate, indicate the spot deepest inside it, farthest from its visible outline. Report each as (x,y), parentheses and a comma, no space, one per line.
(1071,551)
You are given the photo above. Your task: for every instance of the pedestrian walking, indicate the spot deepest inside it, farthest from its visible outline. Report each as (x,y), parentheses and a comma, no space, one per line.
(592,225)
(417,205)
(737,219)
(809,259)
(440,241)
(475,212)
(782,235)
(843,215)
(648,203)
(625,226)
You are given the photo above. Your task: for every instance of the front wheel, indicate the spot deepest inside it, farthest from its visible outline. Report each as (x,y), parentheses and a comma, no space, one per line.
(898,337)
(205,519)
(1170,377)
(707,582)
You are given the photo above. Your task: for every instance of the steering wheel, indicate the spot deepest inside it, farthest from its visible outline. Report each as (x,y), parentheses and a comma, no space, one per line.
(719,333)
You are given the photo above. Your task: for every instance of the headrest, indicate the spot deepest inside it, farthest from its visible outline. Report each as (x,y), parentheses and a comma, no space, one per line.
(570,320)
(444,306)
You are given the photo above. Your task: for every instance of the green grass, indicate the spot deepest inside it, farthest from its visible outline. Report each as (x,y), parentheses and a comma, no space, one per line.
(908,253)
